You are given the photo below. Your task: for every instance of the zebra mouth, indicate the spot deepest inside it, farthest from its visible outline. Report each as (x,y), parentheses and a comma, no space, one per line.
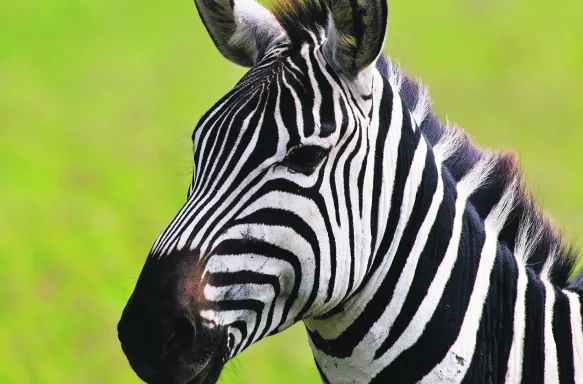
(200,361)
(183,373)
(210,372)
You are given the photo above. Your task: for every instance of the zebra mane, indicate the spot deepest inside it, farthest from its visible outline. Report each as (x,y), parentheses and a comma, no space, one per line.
(527,232)
(300,18)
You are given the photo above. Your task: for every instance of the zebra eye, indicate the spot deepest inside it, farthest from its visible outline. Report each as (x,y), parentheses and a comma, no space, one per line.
(305,159)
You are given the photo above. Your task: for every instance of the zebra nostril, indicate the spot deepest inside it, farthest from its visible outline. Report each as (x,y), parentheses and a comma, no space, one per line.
(182,337)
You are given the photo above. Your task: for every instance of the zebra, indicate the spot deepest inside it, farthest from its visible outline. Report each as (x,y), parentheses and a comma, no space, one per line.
(325,190)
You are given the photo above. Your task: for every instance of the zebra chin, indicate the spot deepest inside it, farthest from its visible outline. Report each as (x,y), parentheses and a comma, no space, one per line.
(206,373)
(186,354)
(196,358)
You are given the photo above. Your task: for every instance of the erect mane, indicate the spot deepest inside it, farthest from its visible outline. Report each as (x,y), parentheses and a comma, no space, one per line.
(527,231)
(299,18)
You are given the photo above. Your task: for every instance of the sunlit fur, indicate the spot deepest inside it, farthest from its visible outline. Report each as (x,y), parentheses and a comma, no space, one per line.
(411,255)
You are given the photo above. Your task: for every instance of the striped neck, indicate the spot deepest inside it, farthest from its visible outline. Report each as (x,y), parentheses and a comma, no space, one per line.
(441,281)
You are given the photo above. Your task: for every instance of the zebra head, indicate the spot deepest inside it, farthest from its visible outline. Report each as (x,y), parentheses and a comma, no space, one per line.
(279,224)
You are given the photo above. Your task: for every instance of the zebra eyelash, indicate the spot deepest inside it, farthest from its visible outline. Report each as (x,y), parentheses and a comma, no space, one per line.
(304,158)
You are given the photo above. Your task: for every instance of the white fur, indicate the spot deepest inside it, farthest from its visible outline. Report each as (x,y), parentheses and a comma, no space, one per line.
(577,334)
(551,363)
(422,106)
(515,358)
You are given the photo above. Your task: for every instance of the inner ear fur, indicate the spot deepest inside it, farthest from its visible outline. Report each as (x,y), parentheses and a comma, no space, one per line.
(356,34)
(242,30)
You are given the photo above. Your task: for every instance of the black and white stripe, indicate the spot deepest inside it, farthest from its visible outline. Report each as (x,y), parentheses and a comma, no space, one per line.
(410,255)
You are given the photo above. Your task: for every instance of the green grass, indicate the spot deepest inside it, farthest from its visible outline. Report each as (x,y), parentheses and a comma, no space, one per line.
(97,103)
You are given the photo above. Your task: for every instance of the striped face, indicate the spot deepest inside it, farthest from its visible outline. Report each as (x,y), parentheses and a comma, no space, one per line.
(277,220)
(277,224)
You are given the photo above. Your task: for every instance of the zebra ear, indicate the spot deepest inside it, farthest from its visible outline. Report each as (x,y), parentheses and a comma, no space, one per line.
(242,30)
(356,34)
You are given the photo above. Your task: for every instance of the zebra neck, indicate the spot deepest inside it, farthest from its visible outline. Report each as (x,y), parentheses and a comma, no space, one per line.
(443,287)
(443,298)
(408,254)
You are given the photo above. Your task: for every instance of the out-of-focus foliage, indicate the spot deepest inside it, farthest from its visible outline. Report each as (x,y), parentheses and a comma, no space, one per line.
(97,103)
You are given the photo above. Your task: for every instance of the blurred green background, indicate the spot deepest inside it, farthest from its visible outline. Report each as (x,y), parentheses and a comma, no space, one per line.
(97,103)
